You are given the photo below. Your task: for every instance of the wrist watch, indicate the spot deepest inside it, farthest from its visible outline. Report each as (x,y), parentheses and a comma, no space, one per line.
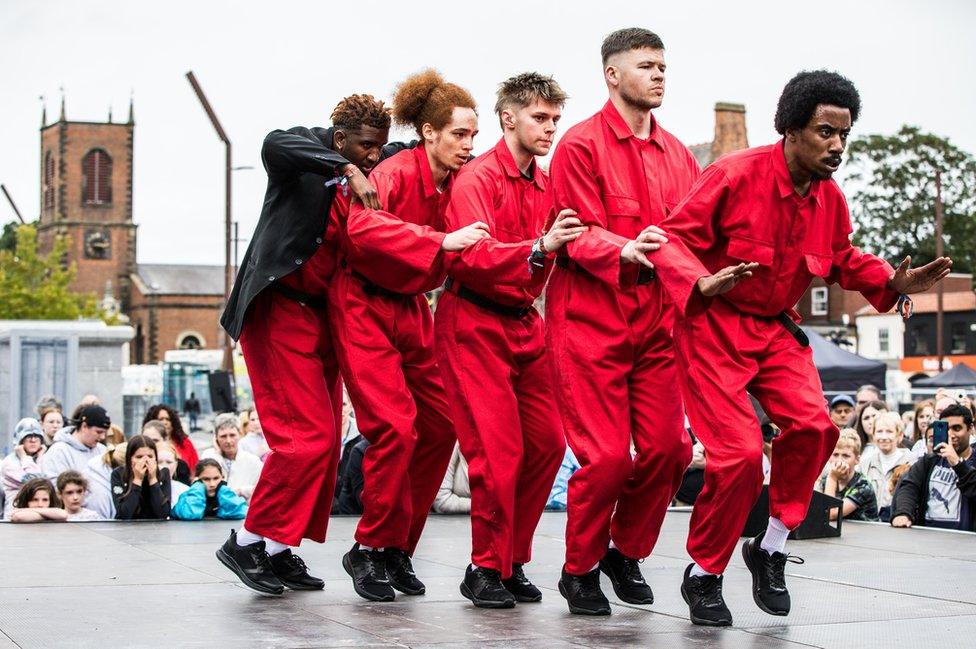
(537,258)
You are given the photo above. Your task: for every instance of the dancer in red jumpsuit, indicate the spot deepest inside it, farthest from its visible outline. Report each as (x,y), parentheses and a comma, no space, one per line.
(490,342)
(773,211)
(277,309)
(608,328)
(383,327)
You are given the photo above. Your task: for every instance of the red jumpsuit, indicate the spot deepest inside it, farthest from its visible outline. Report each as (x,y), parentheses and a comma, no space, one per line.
(288,351)
(609,331)
(495,365)
(385,344)
(744,209)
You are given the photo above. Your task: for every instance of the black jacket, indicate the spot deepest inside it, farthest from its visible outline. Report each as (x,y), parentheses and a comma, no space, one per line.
(299,162)
(911,496)
(146,502)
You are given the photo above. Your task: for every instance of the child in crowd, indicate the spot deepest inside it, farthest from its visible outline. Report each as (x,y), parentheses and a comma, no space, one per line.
(37,502)
(169,459)
(140,489)
(24,462)
(209,496)
(844,481)
(72,488)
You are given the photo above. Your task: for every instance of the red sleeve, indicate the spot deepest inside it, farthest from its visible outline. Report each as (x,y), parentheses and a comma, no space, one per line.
(397,255)
(574,184)
(859,271)
(473,199)
(691,229)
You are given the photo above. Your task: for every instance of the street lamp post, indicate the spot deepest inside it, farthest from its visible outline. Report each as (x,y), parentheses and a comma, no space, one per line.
(228,222)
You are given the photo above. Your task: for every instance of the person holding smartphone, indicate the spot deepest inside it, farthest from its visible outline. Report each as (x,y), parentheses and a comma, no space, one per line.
(940,489)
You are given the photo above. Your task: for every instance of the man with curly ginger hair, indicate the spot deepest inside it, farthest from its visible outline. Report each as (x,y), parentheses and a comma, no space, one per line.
(277,310)
(490,341)
(776,211)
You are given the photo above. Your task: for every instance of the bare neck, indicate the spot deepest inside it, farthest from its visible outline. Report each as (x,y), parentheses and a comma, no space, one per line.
(638,119)
(523,158)
(437,170)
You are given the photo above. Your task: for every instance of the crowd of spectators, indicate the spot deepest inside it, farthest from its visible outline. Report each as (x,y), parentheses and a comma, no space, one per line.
(81,467)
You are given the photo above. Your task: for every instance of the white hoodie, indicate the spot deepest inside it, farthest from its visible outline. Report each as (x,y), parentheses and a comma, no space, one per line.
(68,453)
(99,498)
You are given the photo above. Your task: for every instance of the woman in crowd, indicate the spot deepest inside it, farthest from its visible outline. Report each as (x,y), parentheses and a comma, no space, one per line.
(241,468)
(174,432)
(209,496)
(24,462)
(72,489)
(51,422)
(879,467)
(37,502)
(253,441)
(167,458)
(864,425)
(99,476)
(140,489)
(924,414)
(156,431)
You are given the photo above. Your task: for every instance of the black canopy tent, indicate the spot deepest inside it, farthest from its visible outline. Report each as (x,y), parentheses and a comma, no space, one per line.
(960,376)
(841,370)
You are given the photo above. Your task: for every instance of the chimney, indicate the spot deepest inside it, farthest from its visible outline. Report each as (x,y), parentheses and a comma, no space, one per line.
(730,129)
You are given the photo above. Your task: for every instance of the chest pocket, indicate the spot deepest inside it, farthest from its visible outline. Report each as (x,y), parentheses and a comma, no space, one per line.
(749,250)
(623,215)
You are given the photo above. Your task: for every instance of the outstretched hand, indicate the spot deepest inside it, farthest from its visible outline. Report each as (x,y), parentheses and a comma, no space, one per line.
(908,280)
(725,279)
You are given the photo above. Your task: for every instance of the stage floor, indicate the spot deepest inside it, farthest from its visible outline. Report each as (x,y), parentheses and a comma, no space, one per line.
(159,585)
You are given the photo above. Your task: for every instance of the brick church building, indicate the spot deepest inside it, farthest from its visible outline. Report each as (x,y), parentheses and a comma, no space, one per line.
(86,195)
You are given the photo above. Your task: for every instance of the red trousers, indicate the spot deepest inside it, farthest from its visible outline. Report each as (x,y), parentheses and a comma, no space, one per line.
(497,370)
(295,380)
(722,353)
(385,347)
(616,377)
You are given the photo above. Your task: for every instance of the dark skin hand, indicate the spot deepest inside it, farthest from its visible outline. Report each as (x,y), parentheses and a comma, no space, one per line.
(725,279)
(361,147)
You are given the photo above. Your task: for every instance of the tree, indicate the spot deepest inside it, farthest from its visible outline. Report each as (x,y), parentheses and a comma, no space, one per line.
(8,238)
(894,208)
(35,287)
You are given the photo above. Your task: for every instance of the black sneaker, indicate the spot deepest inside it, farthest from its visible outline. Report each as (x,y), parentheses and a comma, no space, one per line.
(292,572)
(518,585)
(483,586)
(251,565)
(368,571)
(626,577)
(583,593)
(399,570)
(768,576)
(703,595)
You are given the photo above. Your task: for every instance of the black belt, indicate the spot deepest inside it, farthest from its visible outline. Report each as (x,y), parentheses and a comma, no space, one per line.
(794,329)
(370,288)
(314,301)
(485,303)
(644,276)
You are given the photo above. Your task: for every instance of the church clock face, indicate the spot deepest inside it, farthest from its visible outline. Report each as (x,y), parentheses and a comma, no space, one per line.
(98,244)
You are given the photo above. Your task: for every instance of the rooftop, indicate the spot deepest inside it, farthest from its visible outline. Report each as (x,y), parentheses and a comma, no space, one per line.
(179,279)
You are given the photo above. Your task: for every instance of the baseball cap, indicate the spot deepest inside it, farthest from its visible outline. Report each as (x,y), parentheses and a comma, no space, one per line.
(842,398)
(25,428)
(94,416)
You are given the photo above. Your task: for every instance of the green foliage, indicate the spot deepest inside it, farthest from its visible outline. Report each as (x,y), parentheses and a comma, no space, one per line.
(35,287)
(8,238)
(894,208)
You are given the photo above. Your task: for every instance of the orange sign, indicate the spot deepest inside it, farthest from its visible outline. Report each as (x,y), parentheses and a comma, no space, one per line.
(931,363)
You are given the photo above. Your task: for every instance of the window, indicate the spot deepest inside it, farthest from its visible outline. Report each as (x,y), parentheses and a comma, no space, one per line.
(883,340)
(190,341)
(48,181)
(96,182)
(818,301)
(957,336)
(920,336)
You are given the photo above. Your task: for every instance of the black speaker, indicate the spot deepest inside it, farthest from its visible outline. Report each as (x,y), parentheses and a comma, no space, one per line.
(816,525)
(222,394)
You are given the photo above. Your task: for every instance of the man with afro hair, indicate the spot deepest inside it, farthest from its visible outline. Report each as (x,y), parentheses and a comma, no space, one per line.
(775,210)
(393,253)
(277,310)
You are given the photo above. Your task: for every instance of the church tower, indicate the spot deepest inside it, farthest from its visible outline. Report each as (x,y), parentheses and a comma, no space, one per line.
(86,195)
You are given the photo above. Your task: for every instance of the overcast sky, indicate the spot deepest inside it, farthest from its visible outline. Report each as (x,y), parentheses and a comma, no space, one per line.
(286,63)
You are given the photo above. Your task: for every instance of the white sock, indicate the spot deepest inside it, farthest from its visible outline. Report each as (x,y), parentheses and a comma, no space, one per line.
(369,548)
(774,540)
(247,538)
(273,547)
(698,571)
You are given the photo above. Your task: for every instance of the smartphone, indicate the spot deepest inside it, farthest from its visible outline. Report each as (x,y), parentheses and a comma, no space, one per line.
(940,433)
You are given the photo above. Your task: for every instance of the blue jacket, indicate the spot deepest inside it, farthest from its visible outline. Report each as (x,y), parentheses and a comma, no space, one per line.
(193,503)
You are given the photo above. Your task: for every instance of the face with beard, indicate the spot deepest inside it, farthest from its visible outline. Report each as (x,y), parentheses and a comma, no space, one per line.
(637,77)
(816,150)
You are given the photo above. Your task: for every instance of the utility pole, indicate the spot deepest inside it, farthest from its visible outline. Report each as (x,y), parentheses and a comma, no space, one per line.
(228,276)
(12,204)
(939,315)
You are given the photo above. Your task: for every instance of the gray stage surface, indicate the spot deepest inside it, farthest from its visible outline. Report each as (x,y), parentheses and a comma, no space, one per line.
(159,585)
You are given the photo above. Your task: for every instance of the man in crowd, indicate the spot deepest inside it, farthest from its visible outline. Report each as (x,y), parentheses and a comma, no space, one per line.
(608,327)
(866,394)
(74,446)
(845,481)
(774,210)
(841,410)
(940,489)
